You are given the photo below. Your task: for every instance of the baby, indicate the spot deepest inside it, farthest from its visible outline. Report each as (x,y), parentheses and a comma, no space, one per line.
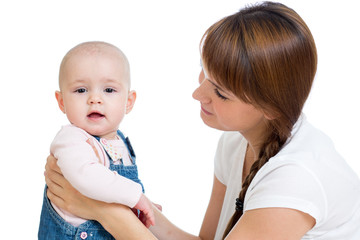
(93,155)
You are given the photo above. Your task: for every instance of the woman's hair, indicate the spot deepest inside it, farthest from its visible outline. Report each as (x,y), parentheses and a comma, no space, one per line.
(266,55)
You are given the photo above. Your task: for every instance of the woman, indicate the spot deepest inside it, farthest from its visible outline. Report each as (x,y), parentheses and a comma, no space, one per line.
(276,176)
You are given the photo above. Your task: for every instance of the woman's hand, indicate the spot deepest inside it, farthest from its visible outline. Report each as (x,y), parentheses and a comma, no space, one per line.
(62,194)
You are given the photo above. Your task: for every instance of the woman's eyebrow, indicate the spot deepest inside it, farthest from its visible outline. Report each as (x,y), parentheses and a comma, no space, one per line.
(217,86)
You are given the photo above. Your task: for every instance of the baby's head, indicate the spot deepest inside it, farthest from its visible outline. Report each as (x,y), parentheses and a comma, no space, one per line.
(91,50)
(94,81)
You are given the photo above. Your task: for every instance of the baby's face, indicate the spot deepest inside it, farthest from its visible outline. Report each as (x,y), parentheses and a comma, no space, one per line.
(95,92)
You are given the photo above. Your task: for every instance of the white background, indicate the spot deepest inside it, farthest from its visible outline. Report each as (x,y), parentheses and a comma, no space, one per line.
(161,39)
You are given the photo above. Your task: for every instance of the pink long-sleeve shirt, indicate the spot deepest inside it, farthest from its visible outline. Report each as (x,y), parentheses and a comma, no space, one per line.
(89,173)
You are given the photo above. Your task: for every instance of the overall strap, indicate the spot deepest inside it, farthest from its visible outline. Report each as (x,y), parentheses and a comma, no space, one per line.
(126,142)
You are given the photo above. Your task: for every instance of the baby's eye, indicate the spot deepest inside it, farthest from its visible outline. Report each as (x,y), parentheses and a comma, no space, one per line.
(81,90)
(109,90)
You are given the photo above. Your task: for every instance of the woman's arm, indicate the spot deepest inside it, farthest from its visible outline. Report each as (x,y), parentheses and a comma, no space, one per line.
(117,219)
(272,223)
(164,229)
(210,223)
(121,222)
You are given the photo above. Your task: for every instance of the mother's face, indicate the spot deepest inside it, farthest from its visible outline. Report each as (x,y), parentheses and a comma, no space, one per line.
(222,110)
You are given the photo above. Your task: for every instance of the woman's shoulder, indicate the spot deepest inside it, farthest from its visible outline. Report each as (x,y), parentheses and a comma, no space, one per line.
(306,137)
(326,178)
(311,149)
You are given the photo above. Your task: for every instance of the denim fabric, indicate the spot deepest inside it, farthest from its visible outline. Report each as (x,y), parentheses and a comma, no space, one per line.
(53,227)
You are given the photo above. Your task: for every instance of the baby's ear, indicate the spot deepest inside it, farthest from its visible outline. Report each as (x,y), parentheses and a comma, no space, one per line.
(60,101)
(130,101)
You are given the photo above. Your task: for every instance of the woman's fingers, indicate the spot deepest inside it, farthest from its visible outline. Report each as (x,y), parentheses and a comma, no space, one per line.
(51,163)
(52,176)
(55,199)
(51,182)
(60,191)
(55,181)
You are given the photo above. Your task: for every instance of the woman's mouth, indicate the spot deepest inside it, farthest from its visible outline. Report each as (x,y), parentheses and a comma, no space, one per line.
(204,111)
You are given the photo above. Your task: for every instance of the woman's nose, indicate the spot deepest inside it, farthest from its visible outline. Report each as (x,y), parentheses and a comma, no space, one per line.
(200,93)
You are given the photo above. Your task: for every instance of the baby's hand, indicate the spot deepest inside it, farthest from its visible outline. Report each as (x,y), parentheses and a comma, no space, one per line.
(147,213)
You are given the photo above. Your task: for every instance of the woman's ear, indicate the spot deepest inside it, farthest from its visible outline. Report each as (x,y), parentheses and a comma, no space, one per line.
(270,115)
(60,101)
(130,101)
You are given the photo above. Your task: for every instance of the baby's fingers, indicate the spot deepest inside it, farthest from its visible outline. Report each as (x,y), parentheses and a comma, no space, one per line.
(158,206)
(150,218)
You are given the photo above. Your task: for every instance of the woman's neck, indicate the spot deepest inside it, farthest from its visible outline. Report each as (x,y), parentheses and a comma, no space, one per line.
(255,138)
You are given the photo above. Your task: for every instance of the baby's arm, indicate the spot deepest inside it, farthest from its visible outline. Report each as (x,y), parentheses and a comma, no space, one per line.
(81,167)
(144,204)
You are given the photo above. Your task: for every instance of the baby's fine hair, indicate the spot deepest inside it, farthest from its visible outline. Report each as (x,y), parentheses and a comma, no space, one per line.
(95,47)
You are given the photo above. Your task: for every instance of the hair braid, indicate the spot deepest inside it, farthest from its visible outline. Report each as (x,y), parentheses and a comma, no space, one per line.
(270,148)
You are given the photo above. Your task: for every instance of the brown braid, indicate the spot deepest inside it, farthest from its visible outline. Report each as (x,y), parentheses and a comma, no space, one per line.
(270,148)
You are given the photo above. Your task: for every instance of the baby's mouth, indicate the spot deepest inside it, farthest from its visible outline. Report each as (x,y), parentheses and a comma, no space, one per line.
(95,115)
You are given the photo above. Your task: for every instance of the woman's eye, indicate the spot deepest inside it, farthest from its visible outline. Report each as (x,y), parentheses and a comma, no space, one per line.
(109,90)
(80,90)
(220,95)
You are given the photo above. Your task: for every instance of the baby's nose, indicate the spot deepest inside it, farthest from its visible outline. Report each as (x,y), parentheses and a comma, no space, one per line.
(95,99)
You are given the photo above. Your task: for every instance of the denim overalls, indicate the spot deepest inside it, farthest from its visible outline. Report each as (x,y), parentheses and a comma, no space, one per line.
(52,226)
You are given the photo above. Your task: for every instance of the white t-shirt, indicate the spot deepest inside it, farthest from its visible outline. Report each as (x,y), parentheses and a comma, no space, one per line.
(307,175)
